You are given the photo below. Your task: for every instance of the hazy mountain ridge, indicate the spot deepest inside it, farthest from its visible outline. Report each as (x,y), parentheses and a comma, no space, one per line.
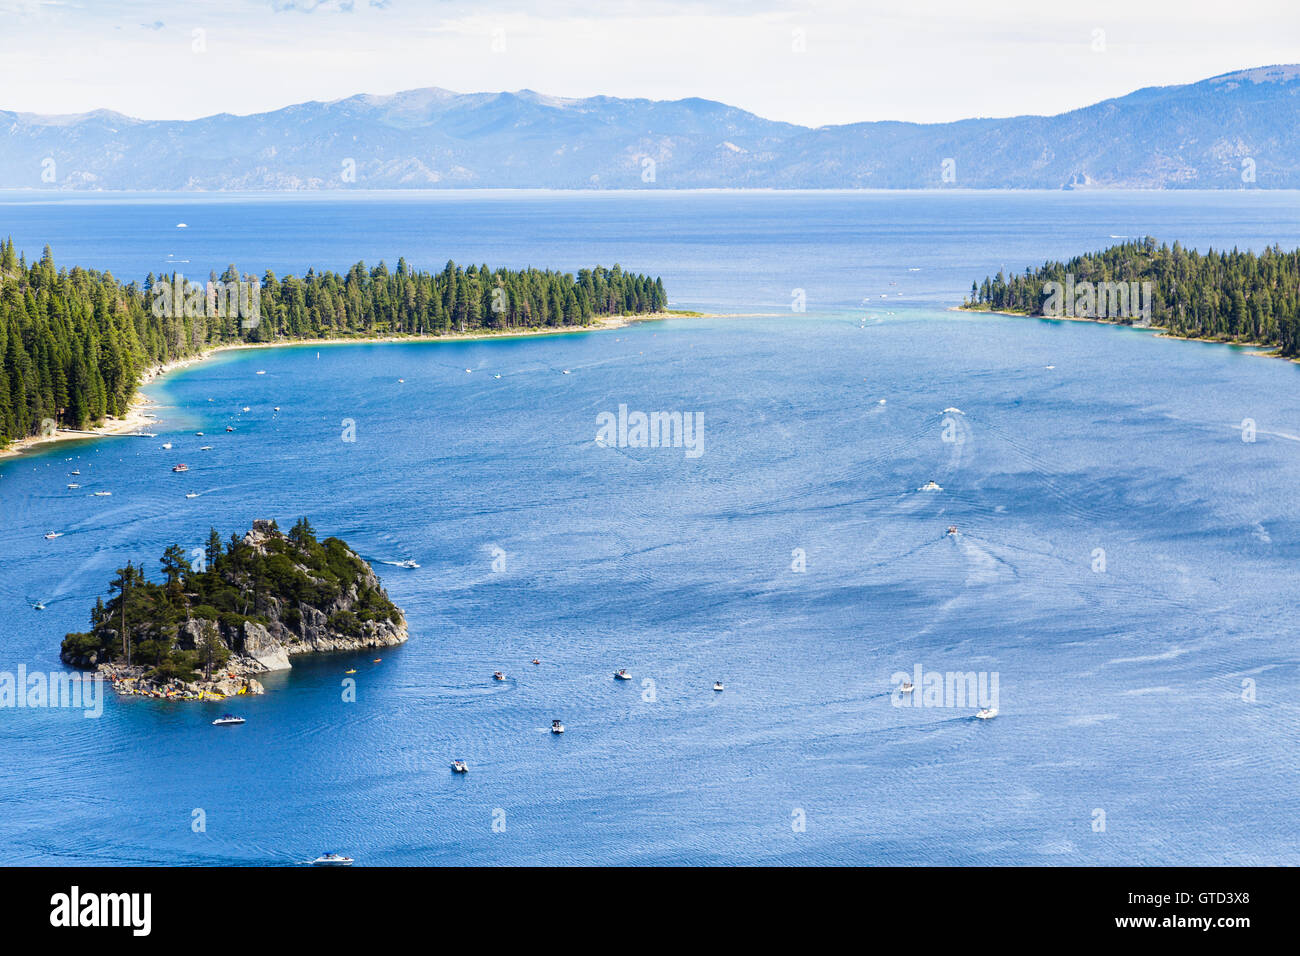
(1216,133)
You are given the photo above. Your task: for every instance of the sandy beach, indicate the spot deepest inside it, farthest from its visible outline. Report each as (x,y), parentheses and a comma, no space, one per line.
(140,417)
(1265,350)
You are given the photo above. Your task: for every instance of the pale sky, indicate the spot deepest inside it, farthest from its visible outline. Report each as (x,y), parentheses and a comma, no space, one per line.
(918,60)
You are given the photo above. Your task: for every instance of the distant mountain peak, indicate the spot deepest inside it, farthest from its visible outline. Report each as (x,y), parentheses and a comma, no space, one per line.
(1239,130)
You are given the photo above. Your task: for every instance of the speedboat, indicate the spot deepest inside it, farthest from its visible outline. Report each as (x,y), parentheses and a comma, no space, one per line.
(102,494)
(191,494)
(332,859)
(38,605)
(74,486)
(536,661)
(206,448)
(199,434)
(460,766)
(557,727)
(376,660)
(565,372)
(717,685)
(497,675)
(51,535)
(408,563)
(352,671)
(167,446)
(952,529)
(622,674)
(181,467)
(930,486)
(77,472)
(227,720)
(261,371)
(230,428)
(401,381)
(245,408)
(907,687)
(987,713)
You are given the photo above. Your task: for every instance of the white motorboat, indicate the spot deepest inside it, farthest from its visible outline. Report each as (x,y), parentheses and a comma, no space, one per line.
(191,494)
(907,687)
(227,720)
(74,486)
(557,727)
(460,766)
(718,685)
(930,486)
(987,713)
(408,563)
(622,674)
(51,535)
(102,494)
(498,675)
(332,859)
(167,446)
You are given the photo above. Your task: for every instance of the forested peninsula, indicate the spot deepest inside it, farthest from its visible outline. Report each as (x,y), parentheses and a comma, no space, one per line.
(1232,296)
(75,343)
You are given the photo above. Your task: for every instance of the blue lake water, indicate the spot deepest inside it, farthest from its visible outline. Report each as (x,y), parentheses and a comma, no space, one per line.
(1121,690)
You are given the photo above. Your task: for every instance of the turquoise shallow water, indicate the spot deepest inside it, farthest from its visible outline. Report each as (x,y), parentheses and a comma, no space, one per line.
(1119,690)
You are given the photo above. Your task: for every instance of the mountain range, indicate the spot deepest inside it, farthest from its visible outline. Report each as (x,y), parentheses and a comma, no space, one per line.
(1239,130)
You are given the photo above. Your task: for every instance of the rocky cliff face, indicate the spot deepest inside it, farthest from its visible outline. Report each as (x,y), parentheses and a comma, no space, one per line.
(284,627)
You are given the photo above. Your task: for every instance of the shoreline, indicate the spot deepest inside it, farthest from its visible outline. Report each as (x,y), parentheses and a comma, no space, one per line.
(138,416)
(1160,332)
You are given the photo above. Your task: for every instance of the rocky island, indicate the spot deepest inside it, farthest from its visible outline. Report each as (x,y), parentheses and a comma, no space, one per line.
(238,610)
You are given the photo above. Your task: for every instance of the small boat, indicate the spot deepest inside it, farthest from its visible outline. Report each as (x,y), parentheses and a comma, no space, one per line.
(74,473)
(38,605)
(245,408)
(952,529)
(51,535)
(622,674)
(191,494)
(718,685)
(332,859)
(498,375)
(408,563)
(352,671)
(206,448)
(460,766)
(74,486)
(497,675)
(230,428)
(227,720)
(181,467)
(277,408)
(987,713)
(907,687)
(376,660)
(565,372)
(401,381)
(557,727)
(467,371)
(167,446)
(198,434)
(930,486)
(536,661)
(261,371)
(181,225)
(102,494)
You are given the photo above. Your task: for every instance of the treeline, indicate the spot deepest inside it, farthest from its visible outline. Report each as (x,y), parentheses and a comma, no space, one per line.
(74,343)
(1230,296)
